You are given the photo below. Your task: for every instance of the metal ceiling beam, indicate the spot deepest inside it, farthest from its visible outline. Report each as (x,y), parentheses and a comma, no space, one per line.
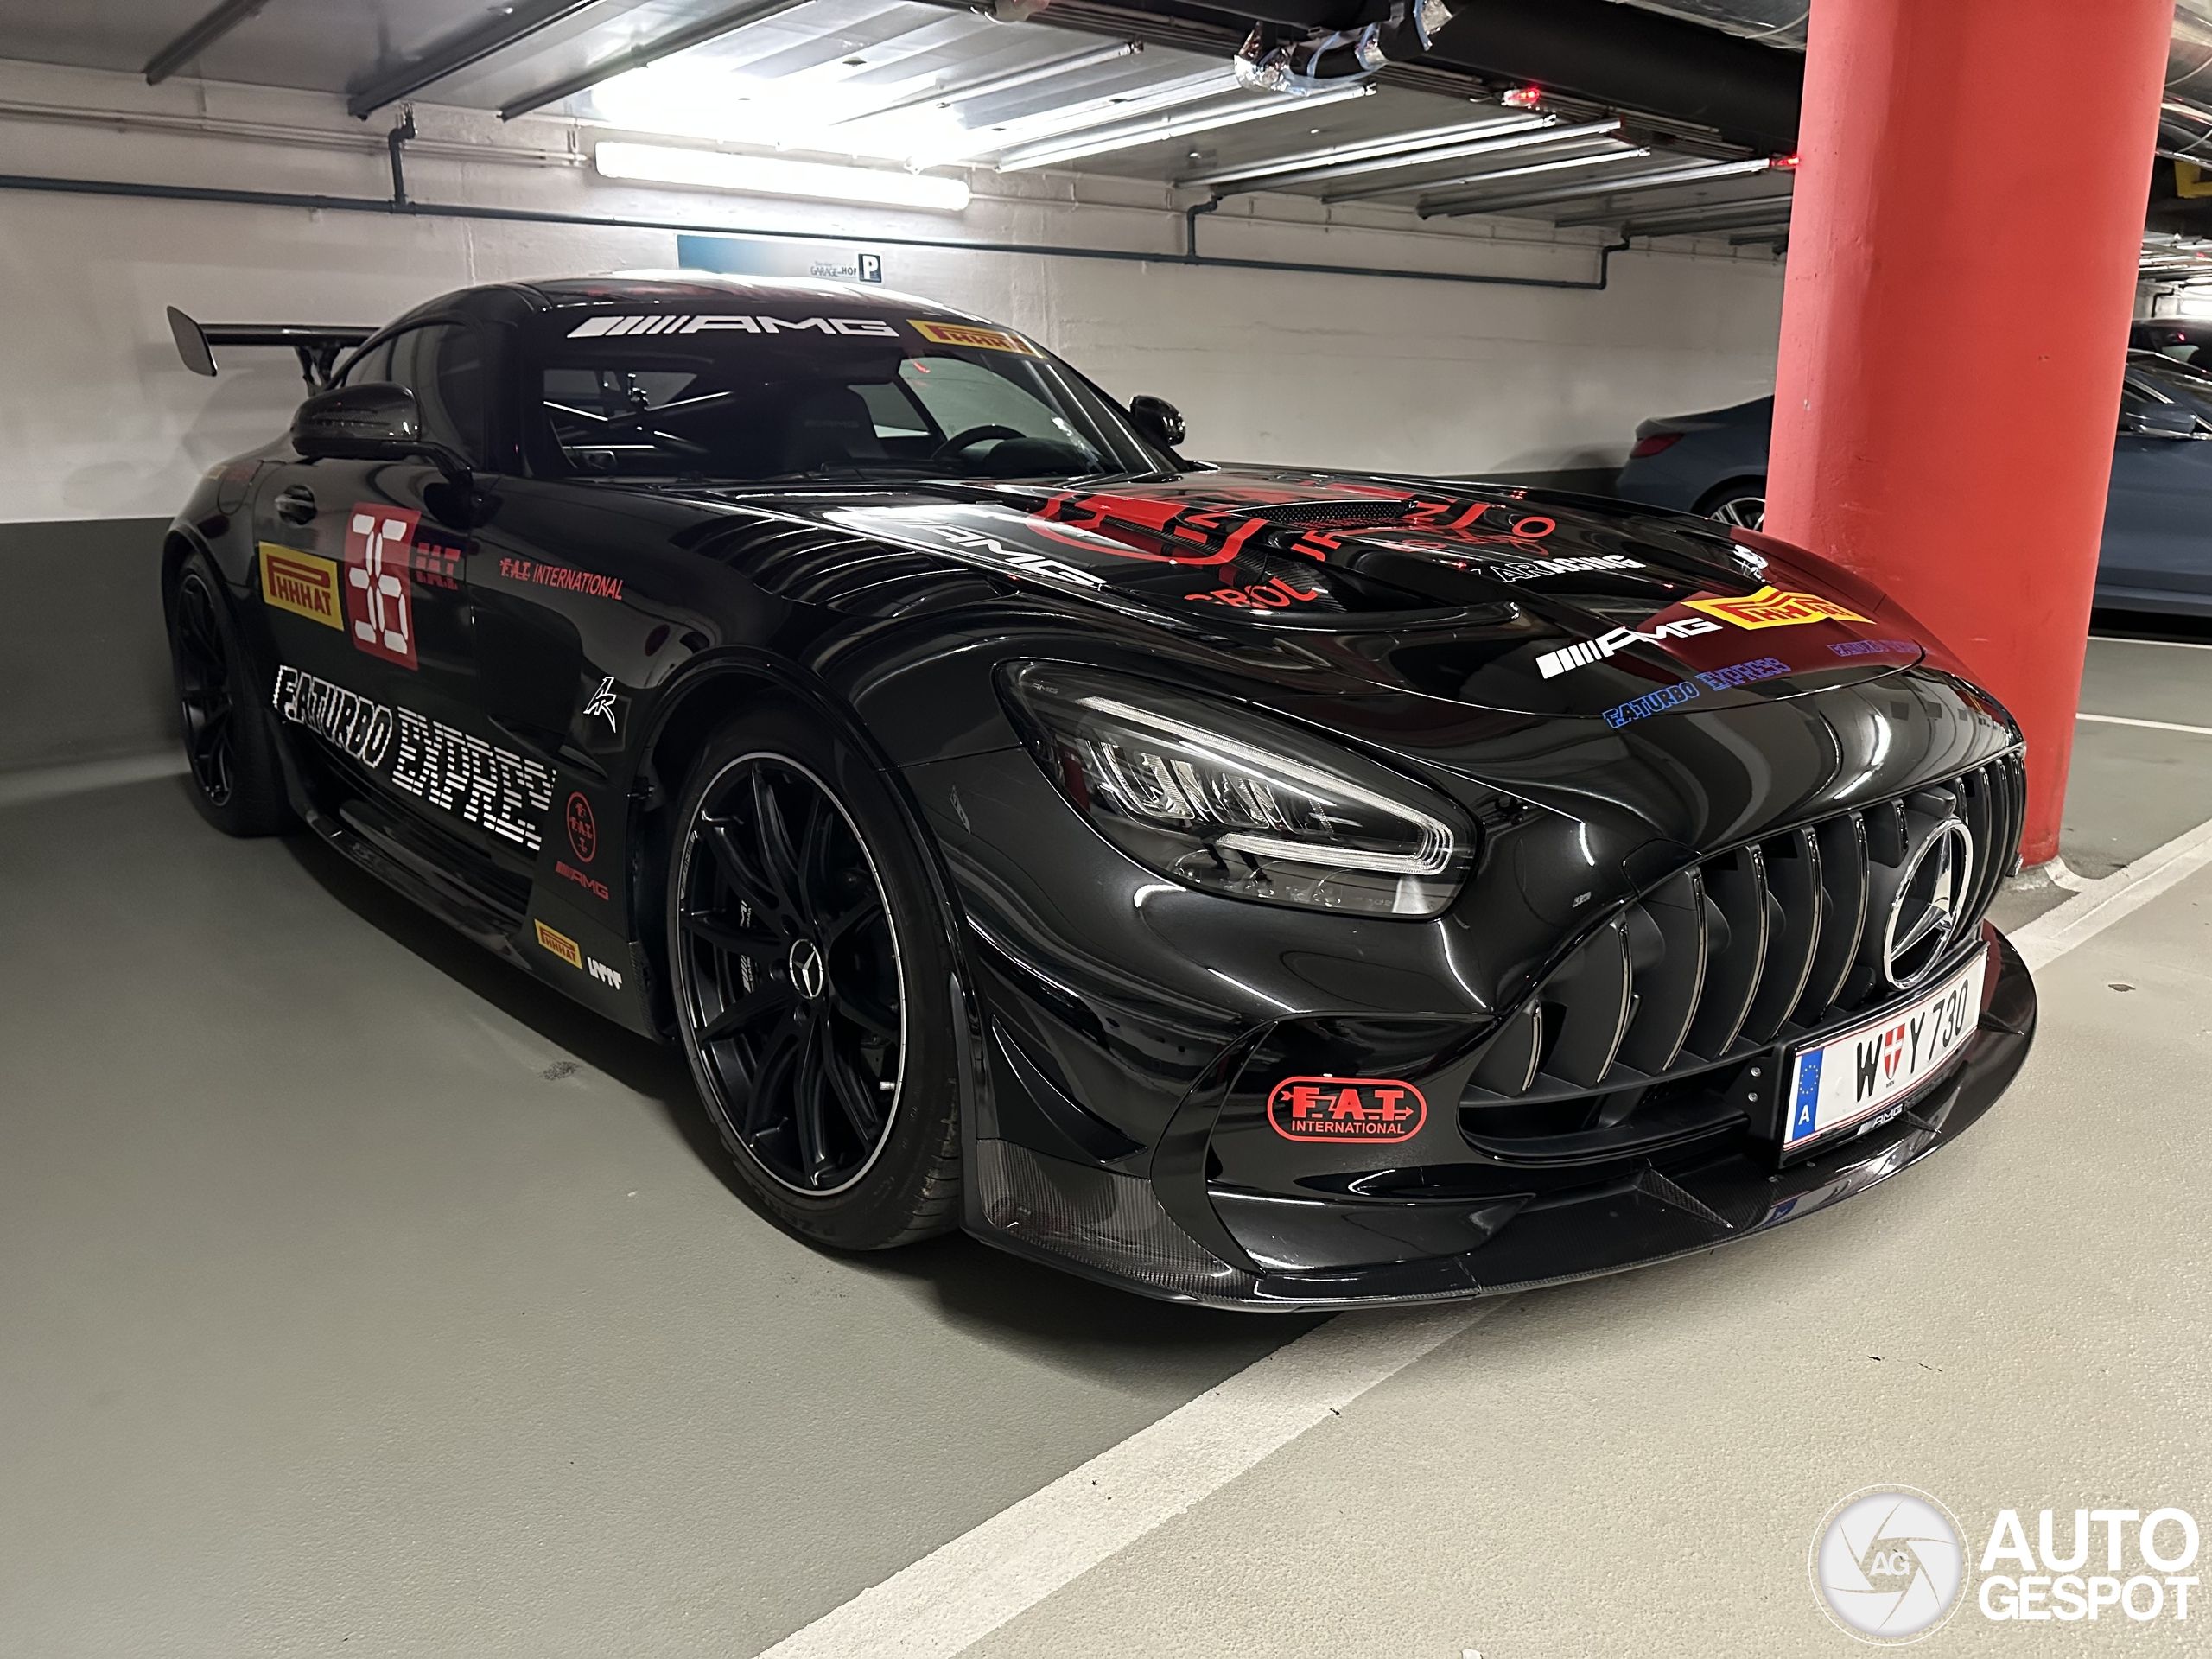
(197,38)
(1696,210)
(1584,156)
(461,52)
(1397,162)
(1397,142)
(1455,206)
(653,51)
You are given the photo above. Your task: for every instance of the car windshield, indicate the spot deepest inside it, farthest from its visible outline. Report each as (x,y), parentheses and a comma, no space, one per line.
(756,397)
(2177,383)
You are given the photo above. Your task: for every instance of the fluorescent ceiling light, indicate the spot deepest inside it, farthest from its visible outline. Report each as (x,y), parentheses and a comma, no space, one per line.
(1396,143)
(1542,138)
(1170,126)
(1559,164)
(771,176)
(1108,111)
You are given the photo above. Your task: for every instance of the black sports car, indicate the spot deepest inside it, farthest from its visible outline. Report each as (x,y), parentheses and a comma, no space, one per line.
(1272,889)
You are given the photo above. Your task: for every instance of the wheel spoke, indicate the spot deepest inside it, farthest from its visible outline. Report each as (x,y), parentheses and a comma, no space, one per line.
(779,859)
(778,1056)
(747,1009)
(743,879)
(806,1106)
(853,1094)
(862,1011)
(834,934)
(730,937)
(212,733)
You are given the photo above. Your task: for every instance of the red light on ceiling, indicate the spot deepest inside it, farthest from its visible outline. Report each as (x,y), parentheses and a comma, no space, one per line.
(1524,98)
(1789,161)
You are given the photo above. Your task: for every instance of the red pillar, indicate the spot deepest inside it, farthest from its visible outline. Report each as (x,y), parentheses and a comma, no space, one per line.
(1962,259)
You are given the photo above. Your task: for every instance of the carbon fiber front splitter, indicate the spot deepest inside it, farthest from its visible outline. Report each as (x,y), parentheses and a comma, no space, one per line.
(1111,1226)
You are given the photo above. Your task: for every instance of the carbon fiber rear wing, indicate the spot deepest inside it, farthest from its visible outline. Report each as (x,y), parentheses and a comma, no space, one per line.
(317,348)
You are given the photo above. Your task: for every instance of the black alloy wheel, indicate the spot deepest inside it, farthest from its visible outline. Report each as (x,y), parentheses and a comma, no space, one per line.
(788,975)
(203,683)
(230,740)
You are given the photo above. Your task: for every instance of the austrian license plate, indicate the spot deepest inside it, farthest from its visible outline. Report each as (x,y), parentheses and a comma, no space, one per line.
(1856,1077)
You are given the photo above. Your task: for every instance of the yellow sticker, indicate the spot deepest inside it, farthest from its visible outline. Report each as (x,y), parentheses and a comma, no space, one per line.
(559,944)
(1775,608)
(303,584)
(961,333)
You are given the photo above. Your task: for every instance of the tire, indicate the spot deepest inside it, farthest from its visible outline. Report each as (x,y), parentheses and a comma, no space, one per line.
(230,740)
(810,968)
(1742,503)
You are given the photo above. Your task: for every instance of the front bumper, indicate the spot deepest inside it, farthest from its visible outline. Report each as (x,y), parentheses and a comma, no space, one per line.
(1153,1234)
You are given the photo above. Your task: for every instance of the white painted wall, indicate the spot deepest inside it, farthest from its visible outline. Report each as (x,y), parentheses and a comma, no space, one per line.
(97,419)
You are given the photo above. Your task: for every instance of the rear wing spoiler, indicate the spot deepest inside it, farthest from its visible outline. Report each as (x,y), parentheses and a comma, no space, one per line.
(318,349)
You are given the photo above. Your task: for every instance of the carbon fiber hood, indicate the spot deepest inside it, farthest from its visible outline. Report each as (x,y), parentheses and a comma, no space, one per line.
(1510,599)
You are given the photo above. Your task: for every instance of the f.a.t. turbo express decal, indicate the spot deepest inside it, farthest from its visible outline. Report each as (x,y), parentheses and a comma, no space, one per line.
(610,328)
(1759,667)
(1775,608)
(506,793)
(303,584)
(1372,1109)
(1651,703)
(1552,663)
(346,719)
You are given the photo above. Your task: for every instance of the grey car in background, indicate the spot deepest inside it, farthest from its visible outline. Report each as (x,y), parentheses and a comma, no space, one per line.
(2156,552)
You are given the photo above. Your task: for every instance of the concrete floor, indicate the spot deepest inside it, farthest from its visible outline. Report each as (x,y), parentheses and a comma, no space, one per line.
(360,1296)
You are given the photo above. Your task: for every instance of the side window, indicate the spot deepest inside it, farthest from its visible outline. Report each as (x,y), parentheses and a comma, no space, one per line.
(442,364)
(370,366)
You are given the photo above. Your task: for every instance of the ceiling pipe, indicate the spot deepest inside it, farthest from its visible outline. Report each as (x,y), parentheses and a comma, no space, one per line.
(1742,218)
(197,38)
(1172,125)
(1669,215)
(1401,160)
(1455,206)
(637,57)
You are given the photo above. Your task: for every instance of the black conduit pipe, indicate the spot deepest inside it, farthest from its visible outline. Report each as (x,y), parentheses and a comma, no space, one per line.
(130,190)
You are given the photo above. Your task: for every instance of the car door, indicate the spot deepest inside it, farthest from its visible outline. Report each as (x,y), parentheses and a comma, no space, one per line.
(2158,533)
(378,550)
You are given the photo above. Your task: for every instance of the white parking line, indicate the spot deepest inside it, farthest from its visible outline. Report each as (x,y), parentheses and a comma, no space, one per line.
(959,1593)
(2097,905)
(2172,644)
(2155,725)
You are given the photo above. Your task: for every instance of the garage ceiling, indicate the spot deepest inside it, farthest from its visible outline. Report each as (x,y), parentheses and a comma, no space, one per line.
(936,84)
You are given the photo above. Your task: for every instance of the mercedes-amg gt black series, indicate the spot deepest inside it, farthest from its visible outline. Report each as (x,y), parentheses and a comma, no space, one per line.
(1275,889)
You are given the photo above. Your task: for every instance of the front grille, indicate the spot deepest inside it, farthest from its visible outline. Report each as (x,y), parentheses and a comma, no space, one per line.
(1648,1034)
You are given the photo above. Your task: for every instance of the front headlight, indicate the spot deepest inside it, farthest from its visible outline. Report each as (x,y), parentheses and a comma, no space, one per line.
(1236,803)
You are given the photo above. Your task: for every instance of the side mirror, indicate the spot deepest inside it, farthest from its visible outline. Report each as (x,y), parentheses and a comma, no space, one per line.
(374,422)
(2159,421)
(1159,420)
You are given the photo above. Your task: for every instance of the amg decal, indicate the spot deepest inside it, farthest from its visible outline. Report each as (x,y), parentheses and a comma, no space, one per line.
(301,583)
(568,872)
(355,725)
(610,328)
(1346,1108)
(1775,608)
(507,794)
(559,576)
(1552,663)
